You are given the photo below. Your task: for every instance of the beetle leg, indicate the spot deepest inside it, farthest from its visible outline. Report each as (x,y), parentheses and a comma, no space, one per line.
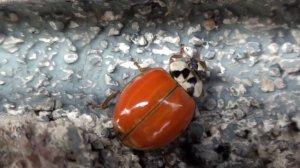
(177,56)
(106,102)
(141,69)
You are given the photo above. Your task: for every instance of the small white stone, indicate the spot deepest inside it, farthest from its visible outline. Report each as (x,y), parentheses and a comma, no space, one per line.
(104,44)
(68,74)
(111,68)
(123,47)
(71,58)
(110,16)
(194,29)
(162,37)
(220,103)
(138,40)
(296,48)
(95,59)
(279,83)
(2,82)
(125,76)
(267,85)
(296,119)
(140,50)
(196,41)
(108,124)
(163,51)
(109,92)
(135,26)
(10,44)
(287,47)
(73,25)
(56,25)
(115,31)
(13,111)
(109,81)
(149,37)
(95,29)
(273,48)
(296,34)
(232,20)
(49,39)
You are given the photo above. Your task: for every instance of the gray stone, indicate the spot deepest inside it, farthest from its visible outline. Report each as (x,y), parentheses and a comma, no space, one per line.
(210,55)
(252,48)
(71,58)
(287,47)
(290,65)
(267,85)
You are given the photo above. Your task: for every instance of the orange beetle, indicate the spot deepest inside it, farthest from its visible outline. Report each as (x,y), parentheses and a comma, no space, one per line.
(153,109)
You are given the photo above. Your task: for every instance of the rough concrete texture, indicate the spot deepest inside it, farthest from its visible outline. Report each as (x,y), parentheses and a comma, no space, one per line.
(58,56)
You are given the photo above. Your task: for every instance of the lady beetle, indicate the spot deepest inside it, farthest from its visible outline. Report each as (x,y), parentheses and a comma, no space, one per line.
(156,107)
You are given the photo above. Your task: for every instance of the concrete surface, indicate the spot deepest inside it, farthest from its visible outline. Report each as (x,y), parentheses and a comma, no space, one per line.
(58,56)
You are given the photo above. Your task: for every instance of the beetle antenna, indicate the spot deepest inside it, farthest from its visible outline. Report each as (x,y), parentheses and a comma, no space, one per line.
(181,49)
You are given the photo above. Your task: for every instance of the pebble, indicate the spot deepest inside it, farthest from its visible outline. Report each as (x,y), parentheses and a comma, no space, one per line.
(110,16)
(125,76)
(220,103)
(196,41)
(10,44)
(279,83)
(94,59)
(140,50)
(290,65)
(296,119)
(209,24)
(109,81)
(139,40)
(208,14)
(13,17)
(111,67)
(232,20)
(71,58)
(210,104)
(73,25)
(163,51)
(210,55)
(194,29)
(252,48)
(296,34)
(45,104)
(2,82)
(115,31)
(296,48)
(273,48)
(275,70)
(135,26)
(149,37)
(56,25)
(287,47)
(104,44)
(107,124)
(239,55)
(267,85)
(123,47)
(162,37)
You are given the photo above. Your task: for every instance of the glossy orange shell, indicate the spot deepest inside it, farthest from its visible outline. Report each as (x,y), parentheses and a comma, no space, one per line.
(152,110)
